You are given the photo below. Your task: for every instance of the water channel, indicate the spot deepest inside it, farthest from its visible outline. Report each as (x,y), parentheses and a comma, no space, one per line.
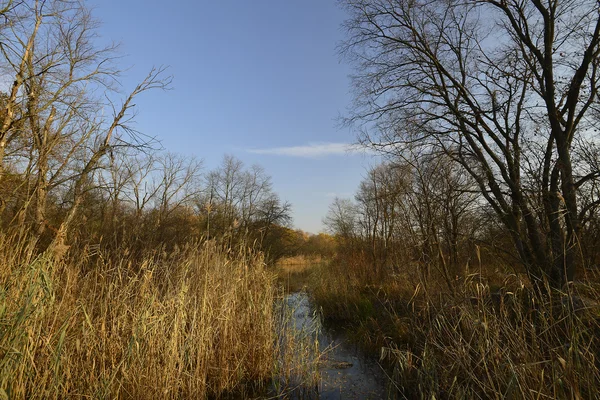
(345,371)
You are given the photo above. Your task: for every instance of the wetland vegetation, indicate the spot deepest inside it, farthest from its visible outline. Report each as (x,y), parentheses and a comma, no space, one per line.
(464,266)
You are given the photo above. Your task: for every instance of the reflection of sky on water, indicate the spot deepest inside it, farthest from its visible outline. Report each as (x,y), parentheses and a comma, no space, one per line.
(345,372)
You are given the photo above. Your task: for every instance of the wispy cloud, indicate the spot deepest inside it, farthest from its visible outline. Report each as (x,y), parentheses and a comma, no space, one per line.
(310,150)
(340,195)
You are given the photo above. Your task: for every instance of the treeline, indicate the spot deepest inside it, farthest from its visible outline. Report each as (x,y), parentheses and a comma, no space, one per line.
(147,199)
(421,217)
(74,171)
(425,217)
(516,113)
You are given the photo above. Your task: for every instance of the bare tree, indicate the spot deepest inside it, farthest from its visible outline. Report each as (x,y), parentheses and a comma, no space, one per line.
(240,203)
(488,82)
(52,129)
(177,183)
(438,207)
(257,187)
(230,182)
(378,198)
(342,219)
(106,134)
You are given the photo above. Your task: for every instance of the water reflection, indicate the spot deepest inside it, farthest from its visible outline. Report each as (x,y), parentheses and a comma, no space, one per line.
(345,372)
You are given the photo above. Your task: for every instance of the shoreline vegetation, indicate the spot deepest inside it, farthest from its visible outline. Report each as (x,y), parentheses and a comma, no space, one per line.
(201,322)
(486,339)
(301,261)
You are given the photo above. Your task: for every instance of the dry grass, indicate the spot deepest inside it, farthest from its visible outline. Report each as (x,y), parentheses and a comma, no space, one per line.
(295,276)
(299,263)
(347,298)
(194,324)
(475,343)
(508,344)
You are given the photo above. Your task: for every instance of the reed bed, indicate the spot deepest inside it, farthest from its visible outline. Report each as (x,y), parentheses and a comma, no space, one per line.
(509,343)
(299,263)
(485,339)
(298,350)
(195,323)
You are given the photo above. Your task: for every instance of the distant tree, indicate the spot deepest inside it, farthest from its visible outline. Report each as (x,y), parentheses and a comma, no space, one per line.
(439,207)
(239,204)
(342,219)
(321,244)
(176,182)
(378,199)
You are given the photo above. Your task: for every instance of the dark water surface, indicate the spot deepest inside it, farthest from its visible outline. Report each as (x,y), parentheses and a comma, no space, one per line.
(346,372)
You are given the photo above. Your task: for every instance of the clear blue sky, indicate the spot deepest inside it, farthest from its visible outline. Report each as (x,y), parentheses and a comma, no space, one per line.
(259,79)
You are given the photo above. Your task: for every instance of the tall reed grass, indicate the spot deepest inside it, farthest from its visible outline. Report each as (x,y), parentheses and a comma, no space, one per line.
(507,344)
(298,349)
(300,262)
(199,322)
(485,339)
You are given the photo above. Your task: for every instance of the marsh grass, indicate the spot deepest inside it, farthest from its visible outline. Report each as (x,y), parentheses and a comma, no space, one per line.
(487,339)
(295,277)
(197,322)
(300,262)
(508,344)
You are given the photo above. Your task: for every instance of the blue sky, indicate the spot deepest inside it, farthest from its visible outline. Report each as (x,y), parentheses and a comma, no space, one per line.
(259,79)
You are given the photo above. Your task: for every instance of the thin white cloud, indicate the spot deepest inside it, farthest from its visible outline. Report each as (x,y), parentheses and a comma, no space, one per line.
(310,150)
(340,195)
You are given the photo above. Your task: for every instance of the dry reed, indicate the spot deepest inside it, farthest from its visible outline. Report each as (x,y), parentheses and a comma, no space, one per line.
(475,342)
(196,323)
(506,344)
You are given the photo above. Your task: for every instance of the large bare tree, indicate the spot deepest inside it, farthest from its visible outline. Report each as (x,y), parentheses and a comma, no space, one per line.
(55,121)
(504,87)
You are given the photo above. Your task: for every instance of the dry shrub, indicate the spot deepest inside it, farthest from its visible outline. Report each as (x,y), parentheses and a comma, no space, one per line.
(193,324)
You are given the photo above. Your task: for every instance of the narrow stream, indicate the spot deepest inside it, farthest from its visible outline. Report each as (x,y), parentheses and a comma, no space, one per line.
(346,372)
